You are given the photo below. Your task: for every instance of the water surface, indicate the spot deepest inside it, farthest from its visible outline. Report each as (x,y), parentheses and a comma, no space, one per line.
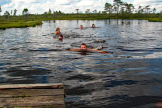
(129,77)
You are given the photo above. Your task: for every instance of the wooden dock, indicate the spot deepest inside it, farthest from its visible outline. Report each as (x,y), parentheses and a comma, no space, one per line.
(32,95)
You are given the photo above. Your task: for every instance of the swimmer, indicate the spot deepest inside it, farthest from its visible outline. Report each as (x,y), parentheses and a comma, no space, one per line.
(81,26)
(60,37)
(57,31)
(93,26)
(83,48)
(159,104)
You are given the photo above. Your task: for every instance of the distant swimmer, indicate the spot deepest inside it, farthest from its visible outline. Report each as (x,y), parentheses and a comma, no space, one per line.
(60,37)
(57,31)
(159,104)
(93,26)
(81,26)
(83,48)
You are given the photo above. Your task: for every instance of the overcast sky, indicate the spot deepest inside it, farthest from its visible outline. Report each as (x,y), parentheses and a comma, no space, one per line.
(68,6)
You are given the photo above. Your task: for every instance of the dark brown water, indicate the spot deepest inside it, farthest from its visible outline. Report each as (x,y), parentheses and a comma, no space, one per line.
(129,77)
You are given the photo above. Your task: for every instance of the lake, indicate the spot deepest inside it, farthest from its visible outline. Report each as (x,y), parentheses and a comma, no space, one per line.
(129,77)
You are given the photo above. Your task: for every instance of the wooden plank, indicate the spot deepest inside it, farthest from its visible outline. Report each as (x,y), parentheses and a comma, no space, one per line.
(33,95)
(27,86)
(32,101)
(30,92)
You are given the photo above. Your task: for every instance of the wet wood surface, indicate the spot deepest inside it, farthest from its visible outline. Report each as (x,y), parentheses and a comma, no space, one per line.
(32,95)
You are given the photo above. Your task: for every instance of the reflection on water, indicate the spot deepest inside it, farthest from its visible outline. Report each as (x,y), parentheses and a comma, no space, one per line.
(129,77)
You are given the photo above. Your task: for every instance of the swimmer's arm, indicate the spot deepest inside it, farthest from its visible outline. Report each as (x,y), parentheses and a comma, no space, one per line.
(56,33)
(99,51)
(73,50)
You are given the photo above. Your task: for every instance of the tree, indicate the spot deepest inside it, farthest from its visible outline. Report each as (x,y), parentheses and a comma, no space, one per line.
(115,8)
(11,12)
(99,13)
(15,12)
(117,4)
(59,12)
(154,10)
(0,9)
(129,8)
(142,11)
(7,14)
(108,8)
(122,11)
(95,11)
(139,10)
(45,14)
(77,12)
(25,12)
(147,10)
(88,10)
(49,12)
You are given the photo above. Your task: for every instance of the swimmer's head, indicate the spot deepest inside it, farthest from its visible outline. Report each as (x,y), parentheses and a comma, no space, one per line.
(81,26)
(60,37)
(57,29)
(93,25)
(83,46)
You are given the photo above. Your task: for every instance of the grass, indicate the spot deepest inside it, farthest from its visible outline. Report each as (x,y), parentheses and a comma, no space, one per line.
(21,24)
(155,19)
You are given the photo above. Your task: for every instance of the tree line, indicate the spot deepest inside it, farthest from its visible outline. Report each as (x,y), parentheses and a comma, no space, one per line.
(126,9)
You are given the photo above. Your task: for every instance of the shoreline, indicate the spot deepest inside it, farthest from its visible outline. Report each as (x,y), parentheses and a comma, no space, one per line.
(32,23)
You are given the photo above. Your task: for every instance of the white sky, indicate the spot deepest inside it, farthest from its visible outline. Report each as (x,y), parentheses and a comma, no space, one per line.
(68,6)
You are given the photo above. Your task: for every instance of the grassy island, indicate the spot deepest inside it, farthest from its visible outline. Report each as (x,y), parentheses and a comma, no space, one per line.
(19,24)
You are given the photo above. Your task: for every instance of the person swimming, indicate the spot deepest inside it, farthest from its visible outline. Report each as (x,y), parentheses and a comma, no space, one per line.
(81,26)
(83,48)
(93,26)
(57,31)
(60,37)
